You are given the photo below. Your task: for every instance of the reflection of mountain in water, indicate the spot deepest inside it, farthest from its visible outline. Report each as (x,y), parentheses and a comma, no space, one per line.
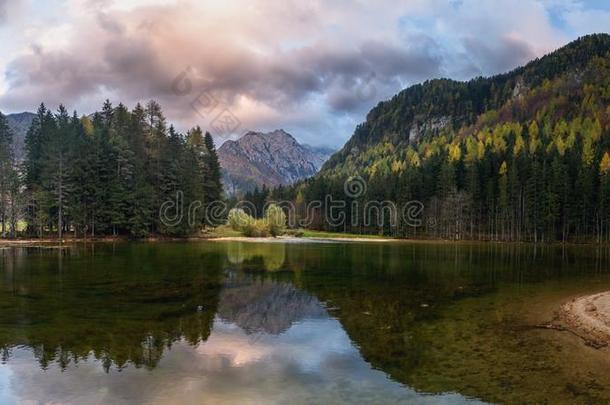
(266,306)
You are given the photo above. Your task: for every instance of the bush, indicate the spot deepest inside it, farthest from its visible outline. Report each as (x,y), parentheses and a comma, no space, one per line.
(238,220)
(256,229)
(274,222)
(297,233)
(275,219)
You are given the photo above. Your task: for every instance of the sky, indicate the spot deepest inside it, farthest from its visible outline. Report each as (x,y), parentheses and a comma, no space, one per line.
(314,68)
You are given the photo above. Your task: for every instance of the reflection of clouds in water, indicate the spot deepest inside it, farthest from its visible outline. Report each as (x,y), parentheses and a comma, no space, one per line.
(313,361)
(301,343)
(6,396)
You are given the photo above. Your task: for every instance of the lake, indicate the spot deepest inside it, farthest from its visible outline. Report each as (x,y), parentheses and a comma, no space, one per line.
(310,322)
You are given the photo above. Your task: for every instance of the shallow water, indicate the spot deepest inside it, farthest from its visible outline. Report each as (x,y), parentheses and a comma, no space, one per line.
(214,322)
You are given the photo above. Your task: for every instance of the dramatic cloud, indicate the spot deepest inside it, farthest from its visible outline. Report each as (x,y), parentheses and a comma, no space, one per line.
(313,68)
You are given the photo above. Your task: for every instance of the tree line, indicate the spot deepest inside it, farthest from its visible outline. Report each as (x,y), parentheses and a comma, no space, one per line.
(106,174)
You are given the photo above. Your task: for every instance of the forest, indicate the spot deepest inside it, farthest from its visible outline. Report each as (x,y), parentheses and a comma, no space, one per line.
(104,174)
(523,156)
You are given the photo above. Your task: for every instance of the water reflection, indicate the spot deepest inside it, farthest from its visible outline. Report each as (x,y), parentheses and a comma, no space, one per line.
(195,338)
(69,306)
(261,256)
(265,306)
(252,322)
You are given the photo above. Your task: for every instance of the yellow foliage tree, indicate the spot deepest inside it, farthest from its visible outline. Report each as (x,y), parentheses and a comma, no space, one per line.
(519,145)
(455,153)
(604,165)
(587,151)
(87,125)
(413,157)
(503,169)
(533,130)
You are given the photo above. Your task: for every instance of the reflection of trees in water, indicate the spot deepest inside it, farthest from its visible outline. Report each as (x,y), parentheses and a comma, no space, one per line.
(266,306)
(271,255)
(120,310)
(438,317)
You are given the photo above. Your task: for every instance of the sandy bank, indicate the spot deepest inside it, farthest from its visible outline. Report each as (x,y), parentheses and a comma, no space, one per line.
(292,239)
(589,316)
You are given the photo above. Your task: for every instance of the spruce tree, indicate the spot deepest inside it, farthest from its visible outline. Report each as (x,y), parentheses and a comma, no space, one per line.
(6,172)
(213,183)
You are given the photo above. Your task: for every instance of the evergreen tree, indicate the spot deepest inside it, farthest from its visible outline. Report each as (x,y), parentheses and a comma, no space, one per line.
(56,169)
(213,190)
(6,172)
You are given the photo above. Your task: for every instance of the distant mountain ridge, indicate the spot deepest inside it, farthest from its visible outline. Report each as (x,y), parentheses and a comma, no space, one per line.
(19,123)
(273,159)
(443,105)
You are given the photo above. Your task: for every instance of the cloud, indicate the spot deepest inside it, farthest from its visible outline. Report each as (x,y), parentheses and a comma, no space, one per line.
(3,4)
(494,58)
(314,68)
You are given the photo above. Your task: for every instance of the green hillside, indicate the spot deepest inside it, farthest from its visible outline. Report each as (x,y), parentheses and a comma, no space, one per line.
(518,156)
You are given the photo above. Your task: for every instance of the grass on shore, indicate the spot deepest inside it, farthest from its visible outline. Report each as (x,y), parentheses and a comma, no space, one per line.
(225,231)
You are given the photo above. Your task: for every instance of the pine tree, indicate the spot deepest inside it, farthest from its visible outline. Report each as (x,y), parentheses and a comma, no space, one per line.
(213,182)
(155,133)
(139,220)
(56,169)
(6,172)
(36,138)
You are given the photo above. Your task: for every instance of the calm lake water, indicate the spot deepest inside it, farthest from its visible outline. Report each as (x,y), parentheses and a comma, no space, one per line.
(230,322)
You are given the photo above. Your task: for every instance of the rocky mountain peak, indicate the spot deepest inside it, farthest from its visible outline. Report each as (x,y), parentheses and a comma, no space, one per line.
(273,158)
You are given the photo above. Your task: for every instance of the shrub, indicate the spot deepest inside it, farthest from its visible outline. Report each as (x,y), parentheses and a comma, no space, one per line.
(297,233)
(274,222)
(275,219)
(258,228)
(238,220)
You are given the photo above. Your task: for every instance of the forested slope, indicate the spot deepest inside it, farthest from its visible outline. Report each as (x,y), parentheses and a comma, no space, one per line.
(518,156)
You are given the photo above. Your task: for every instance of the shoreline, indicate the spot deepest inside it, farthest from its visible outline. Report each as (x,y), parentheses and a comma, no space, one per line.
(324,237)
(295,239)
(279,239)
(588,316)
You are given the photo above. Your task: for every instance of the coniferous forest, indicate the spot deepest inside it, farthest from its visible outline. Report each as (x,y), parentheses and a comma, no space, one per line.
(105,174)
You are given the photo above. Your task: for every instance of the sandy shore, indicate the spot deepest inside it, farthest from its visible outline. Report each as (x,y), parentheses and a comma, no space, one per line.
(589,316)
(304,239)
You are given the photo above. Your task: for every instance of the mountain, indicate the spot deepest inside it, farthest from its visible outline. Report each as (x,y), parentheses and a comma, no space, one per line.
(273,159)
(19,124)
(444,104)
(523,155)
